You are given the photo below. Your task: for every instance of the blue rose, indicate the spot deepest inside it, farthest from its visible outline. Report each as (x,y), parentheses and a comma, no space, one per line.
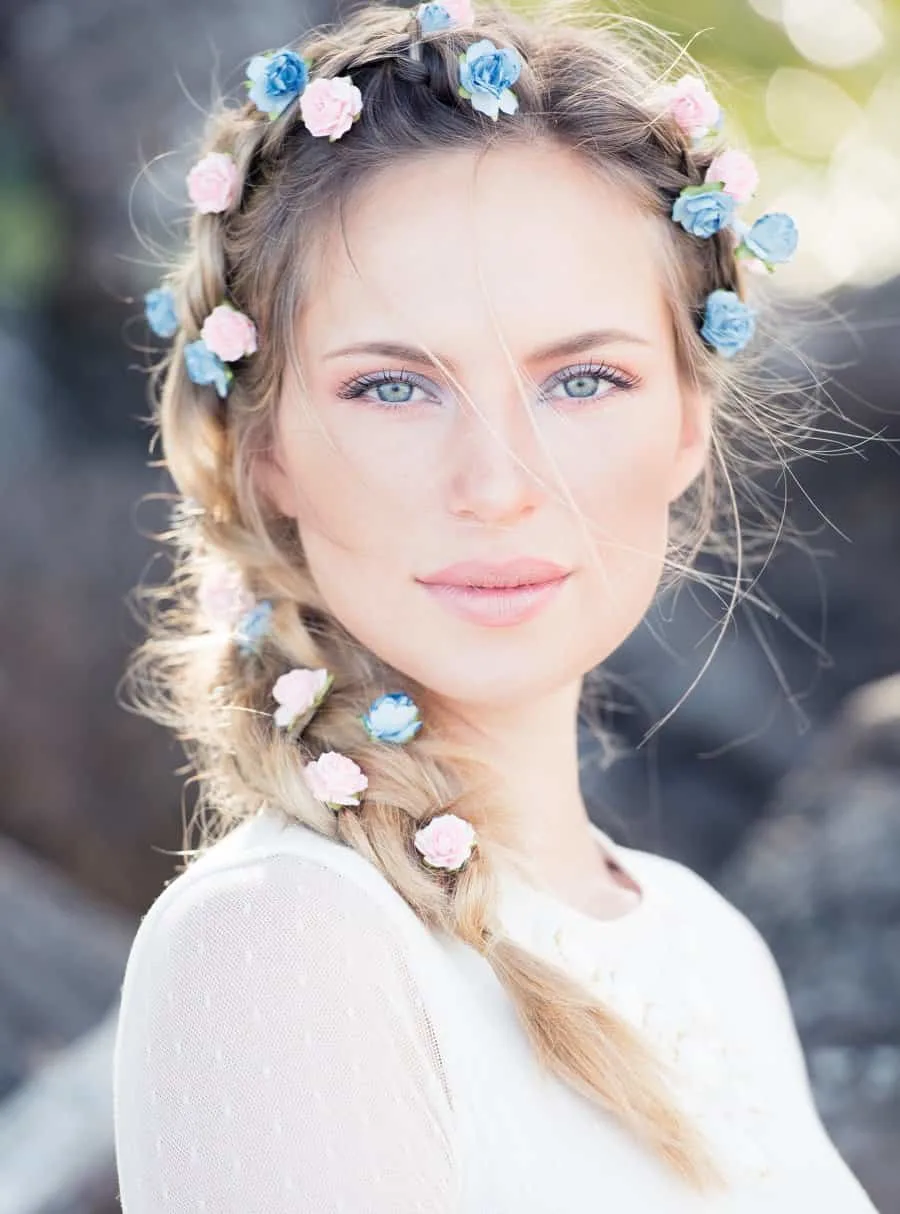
(703,210)
(159,308)
(204,367)
(275,80)
(485,76)
(392,718)
(433,18)
(728,322)
(773,238)
(253,626)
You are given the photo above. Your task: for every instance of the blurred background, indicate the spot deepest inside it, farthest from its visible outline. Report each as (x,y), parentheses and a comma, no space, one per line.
(778,778)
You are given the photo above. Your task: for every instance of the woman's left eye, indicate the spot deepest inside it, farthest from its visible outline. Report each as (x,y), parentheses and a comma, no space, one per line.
(583,381)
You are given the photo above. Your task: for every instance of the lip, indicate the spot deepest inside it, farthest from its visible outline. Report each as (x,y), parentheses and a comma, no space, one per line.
(497,594)
(520,571)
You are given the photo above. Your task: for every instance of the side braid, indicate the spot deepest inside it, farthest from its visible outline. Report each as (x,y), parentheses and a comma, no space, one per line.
(406,786)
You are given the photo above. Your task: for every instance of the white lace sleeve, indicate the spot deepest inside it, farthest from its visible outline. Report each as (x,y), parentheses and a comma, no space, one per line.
(273,1054)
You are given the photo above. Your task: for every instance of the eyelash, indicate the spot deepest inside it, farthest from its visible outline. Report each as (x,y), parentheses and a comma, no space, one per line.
(354,388)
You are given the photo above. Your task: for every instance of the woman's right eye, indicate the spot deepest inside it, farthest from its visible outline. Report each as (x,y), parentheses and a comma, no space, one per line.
(388,388)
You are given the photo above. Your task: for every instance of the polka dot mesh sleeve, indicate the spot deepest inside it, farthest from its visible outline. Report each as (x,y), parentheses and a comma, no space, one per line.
(273,1054)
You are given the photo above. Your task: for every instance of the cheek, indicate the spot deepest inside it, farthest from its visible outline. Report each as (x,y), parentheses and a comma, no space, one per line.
(626,496)
(348,499)
(622,489)
(355,525)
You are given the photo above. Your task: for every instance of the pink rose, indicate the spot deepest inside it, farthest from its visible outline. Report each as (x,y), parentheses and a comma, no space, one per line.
(446,841)
(297,692)
(335,779)
(213,182)
(736,170)
(329,106)
(229,333)
(691,104)
(755,265)
(222,594)
(461,11)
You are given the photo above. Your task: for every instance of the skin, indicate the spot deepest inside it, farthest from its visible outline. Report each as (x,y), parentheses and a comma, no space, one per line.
(530,248)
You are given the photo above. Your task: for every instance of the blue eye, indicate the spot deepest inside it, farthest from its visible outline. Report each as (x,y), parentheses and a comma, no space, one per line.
(581,382)
(392,388)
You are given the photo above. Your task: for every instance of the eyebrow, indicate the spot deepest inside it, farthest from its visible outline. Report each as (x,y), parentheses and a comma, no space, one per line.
(559,349)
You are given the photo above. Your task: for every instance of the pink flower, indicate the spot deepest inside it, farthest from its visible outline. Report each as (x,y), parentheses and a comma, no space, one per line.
(213,182)
(736,170)
(461,11)
(297,692)
(229,334)
(691,104)
(329,106)
(222,595)
(335,779)
(446,841)
(755,265)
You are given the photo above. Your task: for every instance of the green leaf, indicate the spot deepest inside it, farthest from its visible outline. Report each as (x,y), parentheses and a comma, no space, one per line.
(743,253)
(709,187)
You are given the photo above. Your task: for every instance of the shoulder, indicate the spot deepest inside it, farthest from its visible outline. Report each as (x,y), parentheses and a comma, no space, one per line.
(722,938)
(739,966)
(270,878)
(696,901)
(273,1005)
(269,851)
(725,932)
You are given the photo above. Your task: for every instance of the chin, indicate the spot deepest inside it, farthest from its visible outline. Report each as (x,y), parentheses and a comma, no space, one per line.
(494,671)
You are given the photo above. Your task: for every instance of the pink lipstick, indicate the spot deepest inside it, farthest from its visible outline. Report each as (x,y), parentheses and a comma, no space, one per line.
(497,594)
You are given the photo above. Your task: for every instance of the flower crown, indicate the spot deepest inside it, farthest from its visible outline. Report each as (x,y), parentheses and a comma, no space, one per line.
(329,106)
(702,210)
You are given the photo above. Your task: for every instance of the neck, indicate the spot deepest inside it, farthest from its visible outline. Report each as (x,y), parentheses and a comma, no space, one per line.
(532,748)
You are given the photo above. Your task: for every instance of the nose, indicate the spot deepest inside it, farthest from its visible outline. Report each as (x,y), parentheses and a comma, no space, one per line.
(494,475)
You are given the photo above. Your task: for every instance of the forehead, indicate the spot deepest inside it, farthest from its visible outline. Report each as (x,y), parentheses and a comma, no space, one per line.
(448,246)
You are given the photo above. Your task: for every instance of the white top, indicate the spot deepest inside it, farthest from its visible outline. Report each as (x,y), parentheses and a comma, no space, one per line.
(292,1038)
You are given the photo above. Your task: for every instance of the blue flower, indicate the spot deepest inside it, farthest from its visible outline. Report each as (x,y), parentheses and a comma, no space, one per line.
(773,238)
(728,322)
(275,79)
(485,76)
(204,367)
(253,626)
(703,210)
(433,17)
(159,308)
(392,718)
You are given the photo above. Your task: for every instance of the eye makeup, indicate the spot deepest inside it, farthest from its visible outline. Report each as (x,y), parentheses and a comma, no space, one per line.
(356,388)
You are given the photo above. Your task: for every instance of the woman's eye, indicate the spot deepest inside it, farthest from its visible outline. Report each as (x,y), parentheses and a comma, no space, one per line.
(390,388)
(590,382)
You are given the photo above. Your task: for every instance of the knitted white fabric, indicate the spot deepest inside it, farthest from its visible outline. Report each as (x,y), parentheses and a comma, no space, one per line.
(292,1038)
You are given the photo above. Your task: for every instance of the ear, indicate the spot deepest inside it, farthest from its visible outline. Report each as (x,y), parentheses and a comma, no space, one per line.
(693,441)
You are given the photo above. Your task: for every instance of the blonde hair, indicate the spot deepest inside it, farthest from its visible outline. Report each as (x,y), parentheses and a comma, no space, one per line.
(585,86)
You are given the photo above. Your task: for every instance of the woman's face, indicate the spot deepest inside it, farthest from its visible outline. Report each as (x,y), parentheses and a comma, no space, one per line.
(393,472)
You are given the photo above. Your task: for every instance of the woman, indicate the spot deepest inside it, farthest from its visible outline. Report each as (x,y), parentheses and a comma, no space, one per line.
(453,388)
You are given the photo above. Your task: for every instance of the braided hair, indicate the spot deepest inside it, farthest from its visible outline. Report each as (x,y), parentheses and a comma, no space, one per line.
(584,88)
